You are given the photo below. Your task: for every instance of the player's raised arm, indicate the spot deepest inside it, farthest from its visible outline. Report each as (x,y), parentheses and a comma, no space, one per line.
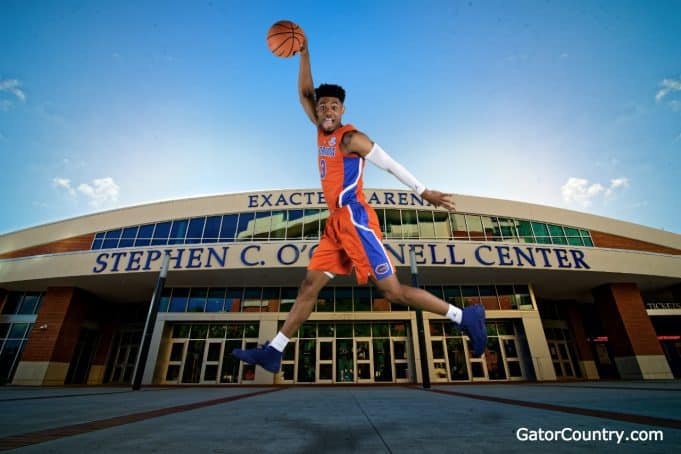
(358,143)
(305,84)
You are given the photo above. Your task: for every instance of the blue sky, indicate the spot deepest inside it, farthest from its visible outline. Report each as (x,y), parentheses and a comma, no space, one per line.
(569,104)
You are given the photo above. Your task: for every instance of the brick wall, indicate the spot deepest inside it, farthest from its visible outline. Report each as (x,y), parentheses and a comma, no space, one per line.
(62,310)
(623,314)
(76,243)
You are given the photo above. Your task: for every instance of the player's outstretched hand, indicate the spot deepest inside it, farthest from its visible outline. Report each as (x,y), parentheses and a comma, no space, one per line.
(439,199)
(303,47)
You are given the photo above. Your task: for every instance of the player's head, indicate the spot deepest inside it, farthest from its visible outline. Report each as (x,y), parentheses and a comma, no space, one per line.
(329,104)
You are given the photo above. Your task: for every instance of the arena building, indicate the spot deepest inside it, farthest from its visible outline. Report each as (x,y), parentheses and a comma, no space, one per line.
(568,295)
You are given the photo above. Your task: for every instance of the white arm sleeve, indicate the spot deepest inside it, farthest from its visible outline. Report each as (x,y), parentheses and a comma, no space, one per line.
(382,160)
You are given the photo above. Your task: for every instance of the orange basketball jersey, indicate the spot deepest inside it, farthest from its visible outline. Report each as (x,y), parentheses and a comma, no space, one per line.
(341,174)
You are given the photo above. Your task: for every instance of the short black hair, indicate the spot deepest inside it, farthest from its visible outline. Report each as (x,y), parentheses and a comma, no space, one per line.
(332,90)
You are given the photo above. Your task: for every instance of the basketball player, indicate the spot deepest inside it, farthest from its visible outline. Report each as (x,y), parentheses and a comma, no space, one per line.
(352,237)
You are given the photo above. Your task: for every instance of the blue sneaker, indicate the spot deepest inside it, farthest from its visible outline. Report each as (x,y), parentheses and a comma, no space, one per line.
(473,324)
(264,356)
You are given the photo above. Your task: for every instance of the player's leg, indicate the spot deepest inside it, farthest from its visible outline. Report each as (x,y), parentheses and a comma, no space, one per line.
(307,297)
(269,355)
(471,319)
(397,293)
(328,259)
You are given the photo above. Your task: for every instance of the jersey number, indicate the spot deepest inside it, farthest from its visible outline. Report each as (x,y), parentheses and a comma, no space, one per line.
(322,168)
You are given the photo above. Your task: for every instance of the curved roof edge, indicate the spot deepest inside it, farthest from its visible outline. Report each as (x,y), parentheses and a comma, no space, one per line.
(243,201)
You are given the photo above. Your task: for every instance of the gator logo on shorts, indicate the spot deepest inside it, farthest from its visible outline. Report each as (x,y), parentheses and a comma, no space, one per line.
(382,268)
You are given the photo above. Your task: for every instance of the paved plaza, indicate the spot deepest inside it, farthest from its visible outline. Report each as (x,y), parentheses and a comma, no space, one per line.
(527,417)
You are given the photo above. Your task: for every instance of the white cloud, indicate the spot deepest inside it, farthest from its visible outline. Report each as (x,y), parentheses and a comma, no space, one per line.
(64,183)
(616,183)
(564,55)
(668,85)
(580,191)
(12,86)
(101,191)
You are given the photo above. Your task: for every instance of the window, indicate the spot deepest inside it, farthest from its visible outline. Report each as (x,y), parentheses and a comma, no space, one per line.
(215,300)
(541,233)
(362,299)
(144,235)
(12,341)
(252,299)
(278,225)
(99,238)
(244,229)
(211,232)
(491,228)
(325,300)
(197,300)
(111,238)
(488,297)
(195,230)
(178,231)
(229,227)
(263,222)
(294,225)
(459,230)
(573,236)
(453,295)
(178,302)
(344,299)
(410,227)
(161,233)
(426,225)
(30,304)
(233,300)
(12,303)
(165,300)
(475,229)
(270,299)
(525,231)
(22,303)
(288,298)
(470,295)
(311,224)
(441,224)
(507,227)
(393,224)
(128,237)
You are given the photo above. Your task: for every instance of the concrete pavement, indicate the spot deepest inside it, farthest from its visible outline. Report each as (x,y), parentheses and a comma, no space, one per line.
(373,419)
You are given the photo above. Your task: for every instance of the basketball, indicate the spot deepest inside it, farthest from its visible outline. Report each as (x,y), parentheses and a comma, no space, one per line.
(285,38)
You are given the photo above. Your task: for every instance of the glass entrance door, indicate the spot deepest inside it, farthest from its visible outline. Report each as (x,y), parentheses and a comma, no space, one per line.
(125,357)
(325,361)
(211,362)
(560,356)
(363,360)
(307,360)
(345,361)
(400,360)
(383,364)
